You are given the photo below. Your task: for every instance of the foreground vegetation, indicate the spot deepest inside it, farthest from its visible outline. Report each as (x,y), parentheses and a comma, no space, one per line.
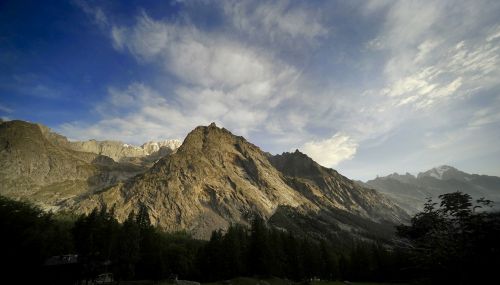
(455,243)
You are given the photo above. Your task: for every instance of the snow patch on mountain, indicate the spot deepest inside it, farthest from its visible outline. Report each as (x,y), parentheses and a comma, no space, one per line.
(439,171)
(154,146)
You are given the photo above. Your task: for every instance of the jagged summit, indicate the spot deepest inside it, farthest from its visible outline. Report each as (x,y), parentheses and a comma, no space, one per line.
(294,163)
(439,172)
(410,192)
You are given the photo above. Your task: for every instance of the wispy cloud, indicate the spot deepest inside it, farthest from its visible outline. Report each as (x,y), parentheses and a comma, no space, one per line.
(96,14)
(277,21)
(432,57)
(220,80)
(136,114)
(431,54)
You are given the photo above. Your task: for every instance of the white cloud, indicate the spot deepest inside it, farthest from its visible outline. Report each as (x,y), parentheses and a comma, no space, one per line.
(215,63)
(232,82)
(237,86)
(277,21)
(145,40)
(431,57)
(118,37)
(196,57)
(494,34)
(135,115)
(332,151)
(425,67)
(139,113)
(267,70)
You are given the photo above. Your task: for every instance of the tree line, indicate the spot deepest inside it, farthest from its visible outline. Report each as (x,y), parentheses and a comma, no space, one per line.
(453,242)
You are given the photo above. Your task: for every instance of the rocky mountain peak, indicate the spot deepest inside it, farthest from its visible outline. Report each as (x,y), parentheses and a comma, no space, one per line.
(440,172)
(211,139)
(405,178)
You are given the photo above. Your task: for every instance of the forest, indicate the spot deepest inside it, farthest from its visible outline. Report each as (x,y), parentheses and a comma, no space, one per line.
(453,242)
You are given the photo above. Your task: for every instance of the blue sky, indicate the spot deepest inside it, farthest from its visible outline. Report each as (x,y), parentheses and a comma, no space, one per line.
(366,87)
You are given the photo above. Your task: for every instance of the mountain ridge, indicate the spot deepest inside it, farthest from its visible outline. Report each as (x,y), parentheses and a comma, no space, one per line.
(411,191)
(212,180)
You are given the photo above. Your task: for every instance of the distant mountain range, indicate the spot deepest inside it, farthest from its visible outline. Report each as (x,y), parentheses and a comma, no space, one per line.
(118,151)
(410,192)
(210,181)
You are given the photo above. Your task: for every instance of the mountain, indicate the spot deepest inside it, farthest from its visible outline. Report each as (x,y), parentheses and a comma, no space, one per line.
(212,180)
(327,188)
(411,191)
(216,178)
(44,167)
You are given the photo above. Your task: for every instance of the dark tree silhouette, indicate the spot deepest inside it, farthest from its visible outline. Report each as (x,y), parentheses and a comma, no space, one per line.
(454,243)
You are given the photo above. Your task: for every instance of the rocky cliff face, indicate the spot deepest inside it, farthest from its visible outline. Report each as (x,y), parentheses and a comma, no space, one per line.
(216,178)
(34,165)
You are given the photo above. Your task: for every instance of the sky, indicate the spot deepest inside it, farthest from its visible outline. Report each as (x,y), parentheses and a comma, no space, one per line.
(365,87)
